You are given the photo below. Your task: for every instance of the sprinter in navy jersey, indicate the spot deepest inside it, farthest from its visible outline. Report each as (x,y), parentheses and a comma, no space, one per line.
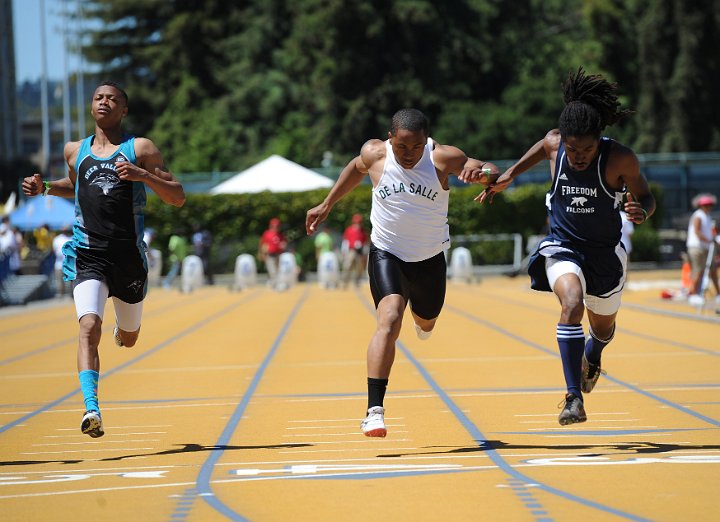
(107,175)
(582,260)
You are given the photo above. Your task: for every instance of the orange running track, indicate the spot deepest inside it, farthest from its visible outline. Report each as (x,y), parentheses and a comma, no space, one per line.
(246,406)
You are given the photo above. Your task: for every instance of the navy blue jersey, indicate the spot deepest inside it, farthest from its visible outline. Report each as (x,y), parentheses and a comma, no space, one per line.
(583,209)
(108,211)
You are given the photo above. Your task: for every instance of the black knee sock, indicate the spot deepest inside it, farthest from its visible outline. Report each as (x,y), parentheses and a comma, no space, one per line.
(376,391)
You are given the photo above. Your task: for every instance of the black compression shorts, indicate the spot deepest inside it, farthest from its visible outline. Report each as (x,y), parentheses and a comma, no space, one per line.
(421,283)
(125,272)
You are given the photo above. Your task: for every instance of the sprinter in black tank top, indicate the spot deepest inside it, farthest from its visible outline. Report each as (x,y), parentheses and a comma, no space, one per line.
(582,260)
(107,175)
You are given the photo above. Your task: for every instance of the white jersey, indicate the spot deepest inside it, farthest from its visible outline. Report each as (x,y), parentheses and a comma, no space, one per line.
(410,208)
(693,240)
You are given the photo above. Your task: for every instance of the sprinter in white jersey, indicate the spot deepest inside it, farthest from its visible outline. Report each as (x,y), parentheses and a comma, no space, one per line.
(409,173)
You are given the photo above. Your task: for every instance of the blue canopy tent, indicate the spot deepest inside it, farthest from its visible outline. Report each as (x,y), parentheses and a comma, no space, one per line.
(57,213)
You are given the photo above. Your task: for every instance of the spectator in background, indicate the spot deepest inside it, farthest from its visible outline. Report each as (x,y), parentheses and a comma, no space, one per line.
(628,229)
(324,241)
(177,250)
(57,245)
(22,247)
(9,245)
(700,236)
(202,243)
(43,238)
(354,251)
(272,244)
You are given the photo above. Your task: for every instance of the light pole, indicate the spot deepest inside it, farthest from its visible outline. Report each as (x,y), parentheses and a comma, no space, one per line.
(45,166)
(67,123)
(80,76)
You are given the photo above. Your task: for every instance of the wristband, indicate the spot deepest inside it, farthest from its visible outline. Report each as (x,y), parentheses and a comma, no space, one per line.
(46,184)
(645,214)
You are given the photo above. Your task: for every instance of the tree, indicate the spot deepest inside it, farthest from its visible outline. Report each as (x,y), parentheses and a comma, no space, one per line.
(221,85)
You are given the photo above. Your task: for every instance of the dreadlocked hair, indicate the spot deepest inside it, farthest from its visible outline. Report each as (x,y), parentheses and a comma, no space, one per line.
(591,104)
(409,119)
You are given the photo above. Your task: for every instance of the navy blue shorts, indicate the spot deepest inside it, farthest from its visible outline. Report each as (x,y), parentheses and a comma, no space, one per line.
(421,283)
(602,268)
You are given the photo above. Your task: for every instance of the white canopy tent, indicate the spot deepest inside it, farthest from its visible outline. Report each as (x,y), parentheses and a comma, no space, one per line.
(275,174)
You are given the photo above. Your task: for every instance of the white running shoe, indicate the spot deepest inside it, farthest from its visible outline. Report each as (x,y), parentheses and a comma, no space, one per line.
(422,334)
(92,424)
(374,423)
(116,336)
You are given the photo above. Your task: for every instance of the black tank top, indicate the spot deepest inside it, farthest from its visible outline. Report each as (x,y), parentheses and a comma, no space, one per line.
(108,210)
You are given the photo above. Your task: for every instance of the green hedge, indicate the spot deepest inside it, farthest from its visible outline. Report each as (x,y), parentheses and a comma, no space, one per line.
(236,221)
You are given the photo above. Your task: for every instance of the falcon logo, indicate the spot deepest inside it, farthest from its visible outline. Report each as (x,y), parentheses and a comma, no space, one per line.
(106,181)
(579,201)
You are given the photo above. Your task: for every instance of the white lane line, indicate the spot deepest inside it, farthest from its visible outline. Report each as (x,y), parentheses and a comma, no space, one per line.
(94,442)
(555,414)
(101,471)
(313,421)
(37,375)
(330,434)
(614,435)
(82,451)
(604,428)
(316,427)
(354,459)
(153,407)
(194,369)
(190,369)
(127,427)
(348,450)
(490,358)
(181,484)
(594,420)
(323,469)
(363,440)
(560,461)
(354,362)
(97,490)
(107,434)
(480,454)
(353,398)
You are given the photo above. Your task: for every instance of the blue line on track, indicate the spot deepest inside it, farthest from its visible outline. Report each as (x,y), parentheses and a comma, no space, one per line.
(38,351)
(202,323)
(203,486)
(73,339)
(496,458)
(615,380)
(625,331)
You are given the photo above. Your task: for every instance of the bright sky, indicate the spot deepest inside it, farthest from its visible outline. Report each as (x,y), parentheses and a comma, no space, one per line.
(28,57)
